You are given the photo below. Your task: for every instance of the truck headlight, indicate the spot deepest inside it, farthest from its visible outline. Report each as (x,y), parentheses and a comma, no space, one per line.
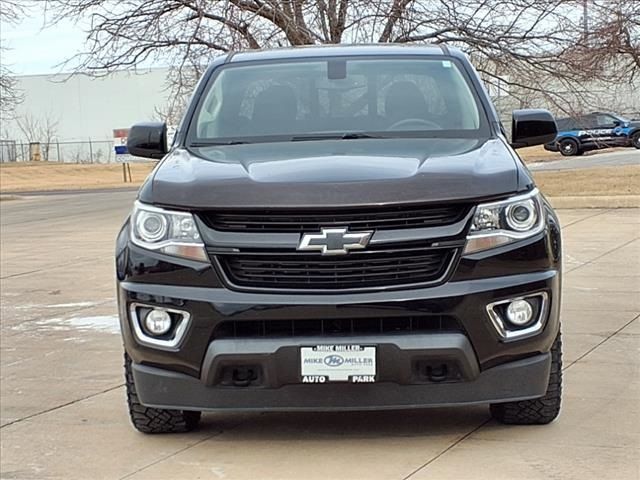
(166,231)
(507,221)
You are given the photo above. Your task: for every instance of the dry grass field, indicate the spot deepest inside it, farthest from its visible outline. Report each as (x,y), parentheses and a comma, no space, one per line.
(45,176)
(620,180)
(538,154)
(24,177)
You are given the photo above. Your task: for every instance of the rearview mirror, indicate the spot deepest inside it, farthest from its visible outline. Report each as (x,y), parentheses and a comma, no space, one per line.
(148,140)
(532,127)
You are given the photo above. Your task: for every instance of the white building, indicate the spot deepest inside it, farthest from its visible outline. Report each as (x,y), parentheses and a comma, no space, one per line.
(89,108)
(80,109)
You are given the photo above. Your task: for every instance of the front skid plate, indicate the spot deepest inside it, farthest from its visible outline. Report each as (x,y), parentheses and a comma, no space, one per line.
(519,380)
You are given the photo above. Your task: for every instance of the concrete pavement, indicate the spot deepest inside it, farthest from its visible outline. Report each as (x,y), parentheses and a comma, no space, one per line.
(628,156)
(63,409)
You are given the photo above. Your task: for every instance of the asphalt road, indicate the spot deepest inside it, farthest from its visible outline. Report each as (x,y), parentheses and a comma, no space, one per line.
(629,156)
(62,403)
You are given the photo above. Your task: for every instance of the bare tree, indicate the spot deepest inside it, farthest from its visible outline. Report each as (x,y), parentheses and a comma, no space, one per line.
(530,44)
(10,96)
(49,134)
(39,130)
(30,128)
(170,113)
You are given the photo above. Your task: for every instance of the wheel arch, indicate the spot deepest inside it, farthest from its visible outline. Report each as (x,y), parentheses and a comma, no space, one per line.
(569,137)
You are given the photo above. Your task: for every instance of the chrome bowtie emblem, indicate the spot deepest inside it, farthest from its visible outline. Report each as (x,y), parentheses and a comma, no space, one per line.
(334,241)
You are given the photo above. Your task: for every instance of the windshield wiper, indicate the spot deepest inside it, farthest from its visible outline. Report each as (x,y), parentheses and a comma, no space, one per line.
(296,138)
(215,144)
(359,135)
(334,136)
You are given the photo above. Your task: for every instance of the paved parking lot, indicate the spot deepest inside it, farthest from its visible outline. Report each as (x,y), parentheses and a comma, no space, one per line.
(62,400)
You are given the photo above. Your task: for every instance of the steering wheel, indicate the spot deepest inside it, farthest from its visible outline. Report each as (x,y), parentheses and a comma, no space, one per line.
(418,122)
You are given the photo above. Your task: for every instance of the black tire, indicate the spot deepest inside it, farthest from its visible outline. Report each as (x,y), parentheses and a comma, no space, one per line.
(635,139)
(538,411)
(156,420)
(568,147)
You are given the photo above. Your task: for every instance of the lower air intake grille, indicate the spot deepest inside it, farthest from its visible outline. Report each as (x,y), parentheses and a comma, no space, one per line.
(335,327)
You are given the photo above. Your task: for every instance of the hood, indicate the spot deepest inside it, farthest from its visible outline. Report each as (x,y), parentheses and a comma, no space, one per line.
(330,173)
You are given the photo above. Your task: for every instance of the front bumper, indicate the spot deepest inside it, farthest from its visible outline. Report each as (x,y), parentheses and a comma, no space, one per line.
(482,366)
(517,380)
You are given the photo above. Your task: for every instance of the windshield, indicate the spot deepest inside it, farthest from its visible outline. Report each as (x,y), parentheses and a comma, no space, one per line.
(337,98)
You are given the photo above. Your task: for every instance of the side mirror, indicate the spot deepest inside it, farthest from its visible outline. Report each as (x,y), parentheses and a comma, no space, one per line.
(532,127)
(617,123)
(148,140)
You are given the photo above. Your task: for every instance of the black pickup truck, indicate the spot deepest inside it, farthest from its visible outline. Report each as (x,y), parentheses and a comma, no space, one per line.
(340,228)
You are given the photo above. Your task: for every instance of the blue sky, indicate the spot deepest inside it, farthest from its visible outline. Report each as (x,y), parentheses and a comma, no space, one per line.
(34,50)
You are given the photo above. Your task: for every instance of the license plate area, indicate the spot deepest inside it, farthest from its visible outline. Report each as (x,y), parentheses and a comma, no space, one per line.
(338,363)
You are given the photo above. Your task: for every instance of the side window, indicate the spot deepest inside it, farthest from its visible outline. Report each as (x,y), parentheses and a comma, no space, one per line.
(605,121)
(588,122)
(565,124)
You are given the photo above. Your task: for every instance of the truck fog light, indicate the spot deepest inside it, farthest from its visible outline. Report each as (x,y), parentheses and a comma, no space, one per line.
(519,312)
(157,322)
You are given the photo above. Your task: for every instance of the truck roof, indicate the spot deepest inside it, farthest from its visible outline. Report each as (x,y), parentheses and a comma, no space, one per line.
(342,50)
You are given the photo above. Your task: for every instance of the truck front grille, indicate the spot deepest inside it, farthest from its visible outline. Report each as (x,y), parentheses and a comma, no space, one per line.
(366,269)
(309,220)
(335,327)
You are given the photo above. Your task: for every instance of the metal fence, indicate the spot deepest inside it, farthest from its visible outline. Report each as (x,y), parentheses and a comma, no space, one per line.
(64,152)
(7,151)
